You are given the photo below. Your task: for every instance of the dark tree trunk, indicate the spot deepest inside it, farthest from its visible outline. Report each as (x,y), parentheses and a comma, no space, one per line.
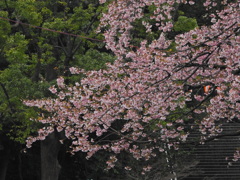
(4,160)
(50,73)
(35,77)
(50,167)
(67,61)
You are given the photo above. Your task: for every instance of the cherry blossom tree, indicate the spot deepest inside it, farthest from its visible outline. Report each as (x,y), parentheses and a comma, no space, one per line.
(147,98)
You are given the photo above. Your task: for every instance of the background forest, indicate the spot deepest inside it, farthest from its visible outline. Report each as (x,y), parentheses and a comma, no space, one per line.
(39,41)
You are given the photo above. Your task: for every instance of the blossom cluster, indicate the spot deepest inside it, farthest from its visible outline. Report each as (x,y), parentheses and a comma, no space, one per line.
(140,104)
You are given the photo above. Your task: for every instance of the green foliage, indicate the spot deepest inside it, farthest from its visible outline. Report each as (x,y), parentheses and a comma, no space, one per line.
(181,13)
(27,9)
(32,57)
(185,24)
(15,49)
(15,87)
(4,27)
(93,60)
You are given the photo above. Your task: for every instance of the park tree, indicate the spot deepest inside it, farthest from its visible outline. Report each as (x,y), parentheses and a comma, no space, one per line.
(39,41)
(162,87)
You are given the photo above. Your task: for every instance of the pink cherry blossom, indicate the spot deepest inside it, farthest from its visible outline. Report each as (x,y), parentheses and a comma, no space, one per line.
(141,103)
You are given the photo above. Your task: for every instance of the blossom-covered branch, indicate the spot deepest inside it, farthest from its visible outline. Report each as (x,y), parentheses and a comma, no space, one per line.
(139,103)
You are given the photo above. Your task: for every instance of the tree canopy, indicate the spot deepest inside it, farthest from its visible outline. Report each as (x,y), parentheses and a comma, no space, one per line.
(140,102)
(174,74)
(39,41)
